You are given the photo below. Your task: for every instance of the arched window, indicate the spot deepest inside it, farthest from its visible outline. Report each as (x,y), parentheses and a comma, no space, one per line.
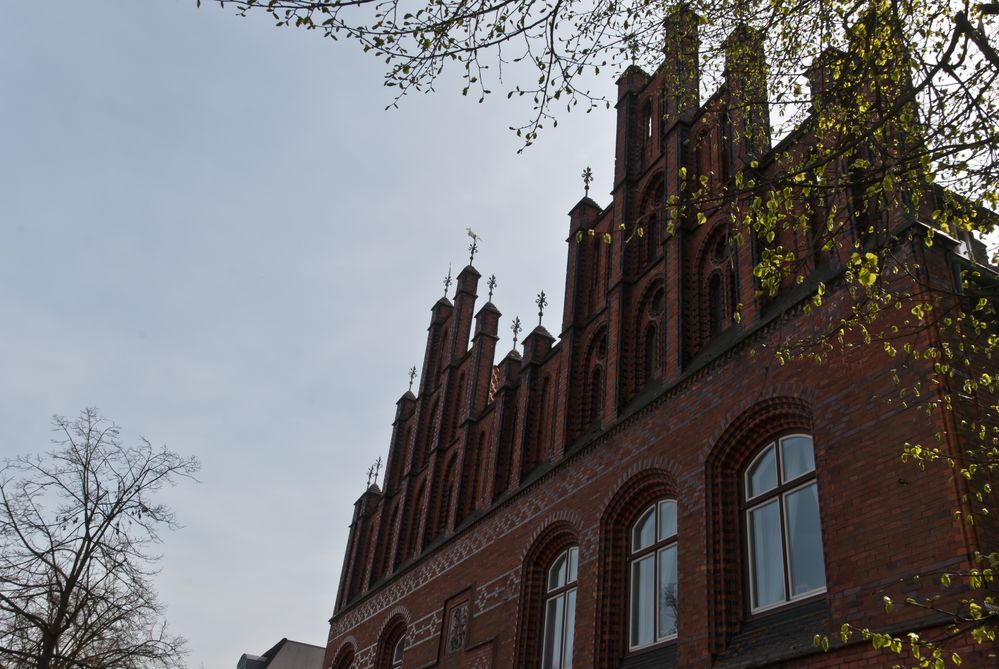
(344,658)
(397,652)
(653,588)
(560,610)
(392,645)
(783,535)
(719,292)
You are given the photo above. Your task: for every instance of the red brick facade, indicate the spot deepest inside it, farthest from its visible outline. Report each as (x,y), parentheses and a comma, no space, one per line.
(653,391)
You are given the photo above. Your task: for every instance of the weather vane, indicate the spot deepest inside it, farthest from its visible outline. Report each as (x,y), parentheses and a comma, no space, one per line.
(447,280)
(587,179)
(542,303)
(412,375)
(492,284)
(515,326)
(474,246)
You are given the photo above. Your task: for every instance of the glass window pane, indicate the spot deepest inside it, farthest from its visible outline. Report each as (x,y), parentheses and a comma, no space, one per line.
(762,476)
(556,575)
(570,628)
(552,654)
(766,555)
(573,565)
(644,534)
(400,646)
(804,541)
(797,456)
(667,519)
(642,600)
(667,592)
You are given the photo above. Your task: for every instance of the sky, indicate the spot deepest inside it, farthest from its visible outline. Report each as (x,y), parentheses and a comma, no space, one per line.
(211,230)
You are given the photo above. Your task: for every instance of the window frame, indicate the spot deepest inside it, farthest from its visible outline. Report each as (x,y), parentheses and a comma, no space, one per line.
(783,489)
(571,556)
(654,550)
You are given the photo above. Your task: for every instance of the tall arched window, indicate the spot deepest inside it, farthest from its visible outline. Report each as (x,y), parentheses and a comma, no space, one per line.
(720,297)
(560,610)
(653,588)
(783,534)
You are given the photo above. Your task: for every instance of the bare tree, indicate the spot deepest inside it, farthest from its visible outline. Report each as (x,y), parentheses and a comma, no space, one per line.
(76,529)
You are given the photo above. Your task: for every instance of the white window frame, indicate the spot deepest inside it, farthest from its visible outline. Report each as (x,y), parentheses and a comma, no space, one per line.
(571,556)
(780,492)
(655,550)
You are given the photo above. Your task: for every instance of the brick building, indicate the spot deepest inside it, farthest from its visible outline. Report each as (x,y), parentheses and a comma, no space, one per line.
(652,489)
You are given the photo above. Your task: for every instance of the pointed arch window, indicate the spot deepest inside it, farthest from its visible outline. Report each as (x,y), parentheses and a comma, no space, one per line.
(560,610)
(783,534)
(653,612)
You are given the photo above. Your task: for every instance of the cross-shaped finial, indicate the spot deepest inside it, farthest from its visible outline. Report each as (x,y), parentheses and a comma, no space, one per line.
(412,375)
(492,285)
(378,467)
(371,473)
(587,179)
(542,303)
(447,281)
(515,326)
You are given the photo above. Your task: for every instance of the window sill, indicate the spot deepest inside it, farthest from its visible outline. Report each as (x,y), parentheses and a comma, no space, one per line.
(777,634)
(661,656)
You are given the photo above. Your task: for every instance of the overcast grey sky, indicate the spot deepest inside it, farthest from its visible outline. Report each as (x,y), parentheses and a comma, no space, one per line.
(211,230)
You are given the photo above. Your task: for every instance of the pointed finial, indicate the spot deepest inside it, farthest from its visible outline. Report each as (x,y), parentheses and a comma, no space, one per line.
(447,280)
(587,179)
(542,303)
(378,468)
(492,285)
(515,326)
(371,472)
(412,375)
